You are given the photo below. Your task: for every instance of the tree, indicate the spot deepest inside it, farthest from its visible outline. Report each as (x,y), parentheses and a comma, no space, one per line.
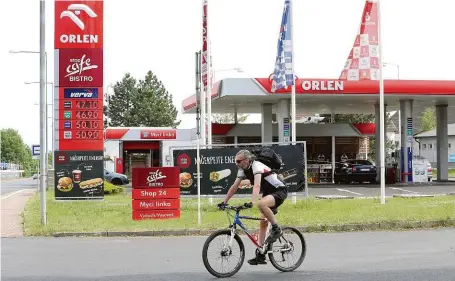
(143,103)
(351,118)
(14,150)
(427,120)
(228,118)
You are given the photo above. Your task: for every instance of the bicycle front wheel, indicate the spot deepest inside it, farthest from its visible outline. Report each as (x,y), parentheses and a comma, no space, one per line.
(218,258)
(283,253)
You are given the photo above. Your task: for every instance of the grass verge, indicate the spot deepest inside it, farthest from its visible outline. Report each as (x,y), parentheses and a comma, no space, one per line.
(114,214)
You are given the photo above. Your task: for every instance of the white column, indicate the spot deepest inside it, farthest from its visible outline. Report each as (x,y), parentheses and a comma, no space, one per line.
(442,143)
(332,120)
(266,125)
(284,128)
(407,132)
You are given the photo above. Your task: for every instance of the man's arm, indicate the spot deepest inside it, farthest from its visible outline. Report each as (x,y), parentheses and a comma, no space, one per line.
(256,187)
(232,190)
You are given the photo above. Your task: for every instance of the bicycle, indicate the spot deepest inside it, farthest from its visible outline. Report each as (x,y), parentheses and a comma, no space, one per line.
(267,248)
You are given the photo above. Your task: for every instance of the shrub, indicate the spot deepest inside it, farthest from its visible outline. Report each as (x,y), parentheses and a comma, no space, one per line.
(112,189)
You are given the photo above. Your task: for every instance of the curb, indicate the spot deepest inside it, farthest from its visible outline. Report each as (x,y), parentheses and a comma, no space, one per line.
(317,228)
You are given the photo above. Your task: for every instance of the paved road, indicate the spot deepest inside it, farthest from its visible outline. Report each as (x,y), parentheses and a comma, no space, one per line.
(362,190)
(412,255)
(8,186)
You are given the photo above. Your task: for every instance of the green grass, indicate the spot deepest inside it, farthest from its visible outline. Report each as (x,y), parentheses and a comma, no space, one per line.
(451,173)
(114,214)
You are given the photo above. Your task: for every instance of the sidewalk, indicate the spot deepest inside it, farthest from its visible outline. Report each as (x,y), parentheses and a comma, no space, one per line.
(11,209)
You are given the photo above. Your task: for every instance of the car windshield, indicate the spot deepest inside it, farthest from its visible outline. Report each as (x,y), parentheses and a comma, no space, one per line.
(360,162)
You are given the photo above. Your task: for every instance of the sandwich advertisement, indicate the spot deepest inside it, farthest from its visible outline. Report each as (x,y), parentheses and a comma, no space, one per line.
(219,170)
(79,175)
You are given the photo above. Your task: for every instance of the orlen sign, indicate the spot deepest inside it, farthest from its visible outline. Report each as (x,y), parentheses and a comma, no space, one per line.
(78,24)
(322,85)
(80,68)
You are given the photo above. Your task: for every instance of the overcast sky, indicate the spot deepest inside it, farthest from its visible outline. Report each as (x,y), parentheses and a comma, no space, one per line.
(162,36)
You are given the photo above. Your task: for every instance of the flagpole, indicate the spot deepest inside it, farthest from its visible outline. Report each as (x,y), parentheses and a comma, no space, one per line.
(209,80)
(293,106)
(381,107)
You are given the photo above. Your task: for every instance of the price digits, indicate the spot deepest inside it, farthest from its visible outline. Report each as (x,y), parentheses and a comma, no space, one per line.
(87,135)
(87,104)
(87,124)
(87,114)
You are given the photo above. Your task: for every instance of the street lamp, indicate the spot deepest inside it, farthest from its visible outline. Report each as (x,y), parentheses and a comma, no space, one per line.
(399,111)
(43,80)
(47,115)
(209,107)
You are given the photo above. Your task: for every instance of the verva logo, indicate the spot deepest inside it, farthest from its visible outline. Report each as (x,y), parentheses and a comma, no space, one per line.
(80,68)
(78,24)
(154,177)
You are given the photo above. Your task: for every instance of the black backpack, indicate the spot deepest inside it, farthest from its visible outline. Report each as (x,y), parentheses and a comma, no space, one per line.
(268,157)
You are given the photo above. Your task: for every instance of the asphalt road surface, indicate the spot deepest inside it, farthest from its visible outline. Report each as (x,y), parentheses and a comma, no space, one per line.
(8,186)
(358,190)
(411,255)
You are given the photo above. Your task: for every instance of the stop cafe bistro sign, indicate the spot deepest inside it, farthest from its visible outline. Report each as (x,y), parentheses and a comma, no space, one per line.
(156,193)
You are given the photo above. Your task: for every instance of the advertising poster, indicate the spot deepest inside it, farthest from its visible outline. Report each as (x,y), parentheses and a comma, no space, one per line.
(219,171)
(79,175)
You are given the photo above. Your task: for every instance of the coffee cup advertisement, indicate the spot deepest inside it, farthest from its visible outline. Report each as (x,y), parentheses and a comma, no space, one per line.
(79,175)
(219,170)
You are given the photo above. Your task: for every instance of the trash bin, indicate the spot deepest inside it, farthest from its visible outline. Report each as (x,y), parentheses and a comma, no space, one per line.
(390,175)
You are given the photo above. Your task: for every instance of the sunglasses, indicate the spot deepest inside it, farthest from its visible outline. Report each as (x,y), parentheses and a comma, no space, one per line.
(239,161)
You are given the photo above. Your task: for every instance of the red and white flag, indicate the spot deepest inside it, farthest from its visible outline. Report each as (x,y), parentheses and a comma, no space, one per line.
(363,60)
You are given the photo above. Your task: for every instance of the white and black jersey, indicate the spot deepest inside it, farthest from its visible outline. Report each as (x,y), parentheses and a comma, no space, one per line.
(269,181)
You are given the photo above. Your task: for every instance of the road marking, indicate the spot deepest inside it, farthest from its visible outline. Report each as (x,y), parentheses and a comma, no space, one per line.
(345,190)
(403,189)
(12,193)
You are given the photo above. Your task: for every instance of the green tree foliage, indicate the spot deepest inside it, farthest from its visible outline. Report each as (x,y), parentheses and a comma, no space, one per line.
(14,150)
(143,103)
(228,118)
(427,120)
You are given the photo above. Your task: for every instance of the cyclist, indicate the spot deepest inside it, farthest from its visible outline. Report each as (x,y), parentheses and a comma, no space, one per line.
(274,192)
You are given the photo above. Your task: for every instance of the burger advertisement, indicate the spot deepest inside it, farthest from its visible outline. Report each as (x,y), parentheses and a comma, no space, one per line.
(219,171)
(79,175)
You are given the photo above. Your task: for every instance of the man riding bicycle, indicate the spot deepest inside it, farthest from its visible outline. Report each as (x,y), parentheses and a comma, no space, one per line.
(274,192)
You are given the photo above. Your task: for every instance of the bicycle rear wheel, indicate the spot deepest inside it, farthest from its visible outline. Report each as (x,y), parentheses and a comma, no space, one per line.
(224,253)
(285,246)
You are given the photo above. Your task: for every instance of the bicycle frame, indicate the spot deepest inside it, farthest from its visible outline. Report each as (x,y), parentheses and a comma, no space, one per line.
(237,221)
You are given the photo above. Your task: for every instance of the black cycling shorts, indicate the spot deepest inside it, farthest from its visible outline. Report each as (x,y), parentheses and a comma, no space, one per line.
(280,194)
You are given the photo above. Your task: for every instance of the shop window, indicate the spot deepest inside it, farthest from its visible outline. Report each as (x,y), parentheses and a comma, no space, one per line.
(424,146)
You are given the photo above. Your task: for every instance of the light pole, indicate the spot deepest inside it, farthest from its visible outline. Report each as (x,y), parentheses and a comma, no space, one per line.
(43,106)
(209,113)
(47,126)
(399,111)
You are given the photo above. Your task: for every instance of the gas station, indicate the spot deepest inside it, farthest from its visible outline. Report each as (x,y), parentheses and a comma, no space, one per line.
(332,96)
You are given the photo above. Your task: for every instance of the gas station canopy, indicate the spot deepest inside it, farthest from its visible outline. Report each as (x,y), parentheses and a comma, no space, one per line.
(325,96)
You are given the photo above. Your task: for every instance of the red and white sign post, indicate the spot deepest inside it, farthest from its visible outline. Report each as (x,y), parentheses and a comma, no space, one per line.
(156,193)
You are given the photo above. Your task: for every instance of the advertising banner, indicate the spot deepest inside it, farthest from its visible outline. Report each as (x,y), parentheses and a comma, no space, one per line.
(219,171)
(155,193)
(80,68)
(79,175)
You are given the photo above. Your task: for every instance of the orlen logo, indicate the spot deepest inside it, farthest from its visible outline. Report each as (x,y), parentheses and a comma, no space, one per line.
(78,25)
(154,177)
(77,67)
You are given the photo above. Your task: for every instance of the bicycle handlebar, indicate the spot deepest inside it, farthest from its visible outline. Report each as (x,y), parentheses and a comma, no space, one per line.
(236,208)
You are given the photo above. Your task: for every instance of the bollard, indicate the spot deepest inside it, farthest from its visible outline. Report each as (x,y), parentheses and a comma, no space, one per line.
(210,199)
(294,198)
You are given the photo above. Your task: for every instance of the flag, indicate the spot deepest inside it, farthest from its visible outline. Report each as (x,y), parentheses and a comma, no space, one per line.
(283,75)
(363,60)
(205,46)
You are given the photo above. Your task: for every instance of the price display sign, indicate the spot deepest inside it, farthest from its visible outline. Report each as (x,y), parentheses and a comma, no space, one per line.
(81,121)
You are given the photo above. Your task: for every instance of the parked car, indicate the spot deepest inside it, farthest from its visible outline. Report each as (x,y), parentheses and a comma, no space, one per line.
(115,178)
(355,170)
